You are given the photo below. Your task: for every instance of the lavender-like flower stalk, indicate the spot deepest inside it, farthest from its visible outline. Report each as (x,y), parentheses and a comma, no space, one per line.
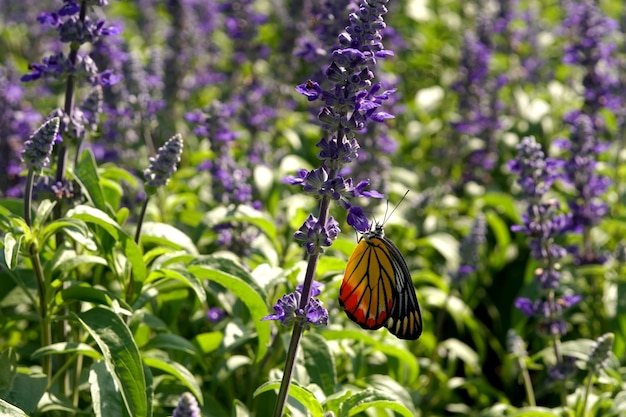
(230,180)
(187,406)
(543,222)
(479,105)
(350,103)
(588,30)
(37,149)
(470,248)
(164,164)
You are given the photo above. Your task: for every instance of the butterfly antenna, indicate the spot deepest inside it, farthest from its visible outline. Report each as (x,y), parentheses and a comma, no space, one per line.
(394,209)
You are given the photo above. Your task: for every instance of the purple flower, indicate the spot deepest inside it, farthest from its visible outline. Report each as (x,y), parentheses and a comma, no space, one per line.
(581,173)
(479,106)
(543,223)
(549,312)
(470,247)
(187,406)
(164,164)
(215,314)
(287,309)
(315,237)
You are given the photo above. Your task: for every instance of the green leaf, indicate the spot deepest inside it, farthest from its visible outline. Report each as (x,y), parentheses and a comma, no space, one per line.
(66,347)
(131,250)
(170,341)
(9,410)
(105,397)
(252,297)
(177,370)
(12,246)
(230,267)
(502,203)
(619,403)
(388,346)
(535,412)
(319,362)
(27,390)
(208,342)
(43,212)
(182,276)
(66,260)
(299,393)
(372,398)
(162,234)
(8,370)
(86,172)
(71,227)
(121,357)
(85,293)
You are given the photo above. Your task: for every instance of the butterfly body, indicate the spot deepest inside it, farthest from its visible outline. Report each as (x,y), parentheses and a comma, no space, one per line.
(377,289)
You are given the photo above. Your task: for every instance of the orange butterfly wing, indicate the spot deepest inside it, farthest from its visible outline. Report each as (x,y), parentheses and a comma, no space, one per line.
(377,289)
(368,288)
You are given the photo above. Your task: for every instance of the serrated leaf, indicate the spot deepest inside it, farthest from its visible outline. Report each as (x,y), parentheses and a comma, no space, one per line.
(166,235)
(369,398)
(66,347)
(299,393)
(177,370)
(252,297)
(121,356)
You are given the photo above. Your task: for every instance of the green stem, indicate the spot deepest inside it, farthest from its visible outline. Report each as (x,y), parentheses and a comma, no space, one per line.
(290,361)
(142,216)
(28,197)
(528,385)
(46,333)
(130,289)
(586,395)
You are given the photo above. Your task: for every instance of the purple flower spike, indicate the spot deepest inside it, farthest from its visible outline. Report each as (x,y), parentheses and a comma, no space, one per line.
(287,309)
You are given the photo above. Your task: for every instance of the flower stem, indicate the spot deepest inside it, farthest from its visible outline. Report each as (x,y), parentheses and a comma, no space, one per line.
(528,385)
(28,197)
(46,333)
(289,363)
(142,216)
(298,329)
(581,412)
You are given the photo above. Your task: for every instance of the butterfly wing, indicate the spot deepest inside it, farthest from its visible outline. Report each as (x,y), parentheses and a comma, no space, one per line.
(368,288)
(405,318)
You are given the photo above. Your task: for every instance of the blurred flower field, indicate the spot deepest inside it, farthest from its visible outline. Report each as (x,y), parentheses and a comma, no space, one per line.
(193,195)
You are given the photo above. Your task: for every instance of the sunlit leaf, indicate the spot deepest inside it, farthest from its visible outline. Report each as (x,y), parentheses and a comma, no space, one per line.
(300,393)
(121,356)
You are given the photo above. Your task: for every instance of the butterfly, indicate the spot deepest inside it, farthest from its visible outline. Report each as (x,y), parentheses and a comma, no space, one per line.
(377,289)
